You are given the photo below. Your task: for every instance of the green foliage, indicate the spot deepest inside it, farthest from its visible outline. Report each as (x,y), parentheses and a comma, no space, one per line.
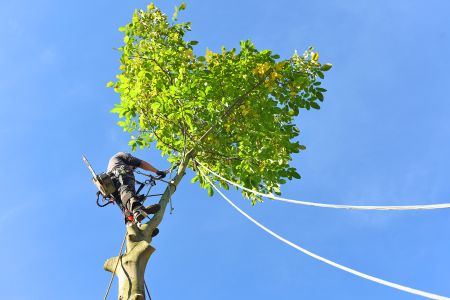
(172,96)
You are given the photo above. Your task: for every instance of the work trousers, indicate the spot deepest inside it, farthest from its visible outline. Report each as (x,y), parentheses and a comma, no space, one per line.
(126,192)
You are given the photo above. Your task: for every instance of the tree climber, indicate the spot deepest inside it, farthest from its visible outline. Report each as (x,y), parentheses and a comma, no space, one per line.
(122,166)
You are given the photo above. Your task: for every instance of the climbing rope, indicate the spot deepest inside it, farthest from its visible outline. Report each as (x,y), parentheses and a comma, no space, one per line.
(327,261)
(146,289)
(337,206)
(152,182)
(170,192)
(115,268)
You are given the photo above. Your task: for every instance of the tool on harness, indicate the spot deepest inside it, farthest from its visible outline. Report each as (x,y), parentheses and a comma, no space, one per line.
(102,181)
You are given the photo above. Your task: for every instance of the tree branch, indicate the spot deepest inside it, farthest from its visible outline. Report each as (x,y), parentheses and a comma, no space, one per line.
(236,103)
(164,200)
(157,64)
(144,112)
(167,145)
(220,154)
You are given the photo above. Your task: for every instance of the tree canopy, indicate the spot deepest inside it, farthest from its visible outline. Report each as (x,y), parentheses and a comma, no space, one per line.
(233,111)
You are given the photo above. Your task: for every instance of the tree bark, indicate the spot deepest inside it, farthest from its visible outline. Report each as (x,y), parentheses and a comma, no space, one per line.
(130,267)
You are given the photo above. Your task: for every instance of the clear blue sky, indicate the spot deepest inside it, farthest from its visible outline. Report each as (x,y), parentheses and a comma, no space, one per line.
(382,137)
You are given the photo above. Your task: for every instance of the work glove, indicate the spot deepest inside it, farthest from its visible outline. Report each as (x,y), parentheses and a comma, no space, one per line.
(161,174)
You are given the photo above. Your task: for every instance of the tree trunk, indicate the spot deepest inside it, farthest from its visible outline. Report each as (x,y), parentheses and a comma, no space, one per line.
(130,267)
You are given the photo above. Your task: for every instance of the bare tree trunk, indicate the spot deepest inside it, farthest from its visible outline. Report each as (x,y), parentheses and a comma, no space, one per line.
(131,266)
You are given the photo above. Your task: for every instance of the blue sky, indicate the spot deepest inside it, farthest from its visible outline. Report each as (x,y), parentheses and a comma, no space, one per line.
(382,137)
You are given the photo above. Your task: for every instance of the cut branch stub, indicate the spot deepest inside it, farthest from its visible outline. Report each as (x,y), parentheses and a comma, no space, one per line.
(130,270)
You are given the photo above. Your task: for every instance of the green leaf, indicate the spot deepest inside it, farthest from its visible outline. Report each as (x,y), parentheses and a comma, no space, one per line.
(117,109)
(210,191)
(319,96)
(132,144)
(182,6)
(155,106)
(326,67)
(110,84)
(175,14)
(276,190)
(314,56)
(314,105)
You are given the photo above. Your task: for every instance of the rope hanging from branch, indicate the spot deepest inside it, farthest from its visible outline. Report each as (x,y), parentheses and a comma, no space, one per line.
(336,206)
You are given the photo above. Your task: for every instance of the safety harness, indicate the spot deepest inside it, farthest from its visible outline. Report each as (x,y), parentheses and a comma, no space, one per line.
(106,188)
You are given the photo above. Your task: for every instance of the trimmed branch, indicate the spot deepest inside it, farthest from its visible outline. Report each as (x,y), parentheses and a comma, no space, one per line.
(111,263)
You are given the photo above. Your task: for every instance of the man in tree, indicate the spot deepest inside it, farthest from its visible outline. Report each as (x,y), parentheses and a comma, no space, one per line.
(122,165)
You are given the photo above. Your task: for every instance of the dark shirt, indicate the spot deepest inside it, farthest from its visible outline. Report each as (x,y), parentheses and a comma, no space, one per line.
(122,159)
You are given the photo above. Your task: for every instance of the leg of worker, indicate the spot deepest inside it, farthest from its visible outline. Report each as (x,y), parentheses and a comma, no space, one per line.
(131,201)
(127,191)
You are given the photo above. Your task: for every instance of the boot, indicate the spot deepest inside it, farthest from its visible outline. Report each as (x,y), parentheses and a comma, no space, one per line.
(152,209)
(140,212)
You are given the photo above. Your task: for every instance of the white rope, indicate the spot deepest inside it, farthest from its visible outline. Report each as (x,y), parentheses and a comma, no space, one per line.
(327,261)
(338,206)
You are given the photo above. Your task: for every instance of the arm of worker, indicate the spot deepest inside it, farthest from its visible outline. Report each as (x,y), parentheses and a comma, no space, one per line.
(148,167)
